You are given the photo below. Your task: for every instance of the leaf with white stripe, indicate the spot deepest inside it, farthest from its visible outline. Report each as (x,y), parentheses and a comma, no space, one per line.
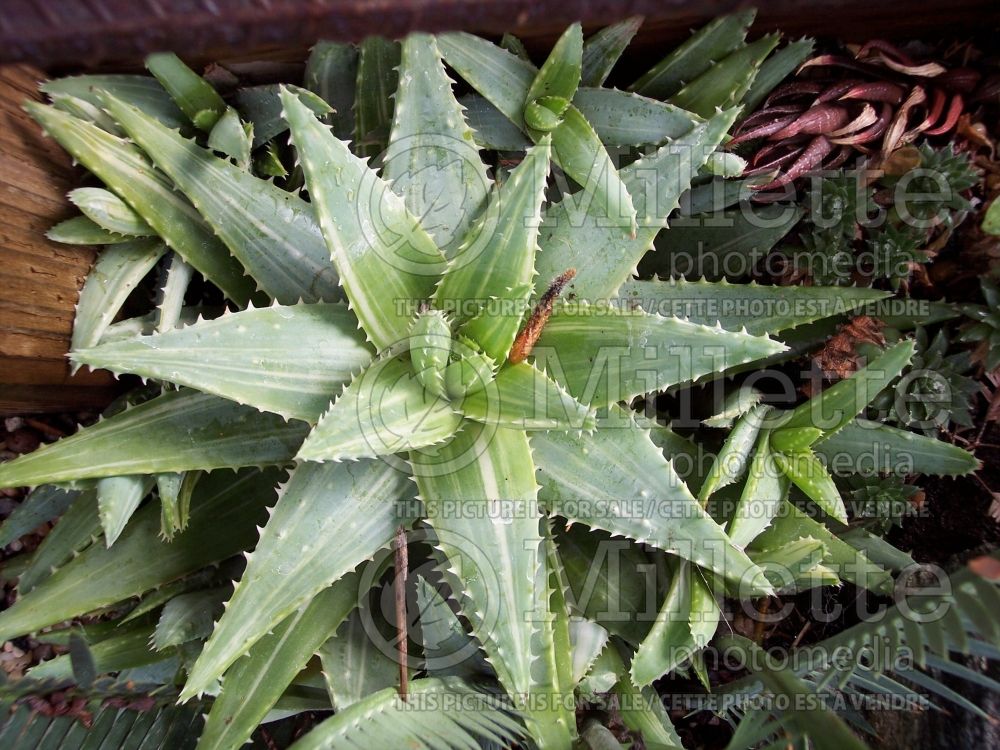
(355,663)
(479,494)
(118,270)
(286,360)
(603,354)
(117,499)
(274,233)
(225,510)
(602,50)
(385,410)
(253,685)
(617,480)
(522,397)
(684,625)
(301,551)
(622,118)
(177,431)
(432,161)
(385,258)
(488,282)
(576,232)
(128,172)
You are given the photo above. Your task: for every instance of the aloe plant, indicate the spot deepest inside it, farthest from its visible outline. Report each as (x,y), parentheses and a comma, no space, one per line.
(423,345)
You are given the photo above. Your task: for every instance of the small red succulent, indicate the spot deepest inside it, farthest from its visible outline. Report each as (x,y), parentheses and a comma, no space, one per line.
(869,104)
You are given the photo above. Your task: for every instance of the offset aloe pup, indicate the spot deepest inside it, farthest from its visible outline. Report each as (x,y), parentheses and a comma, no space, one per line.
(430,345)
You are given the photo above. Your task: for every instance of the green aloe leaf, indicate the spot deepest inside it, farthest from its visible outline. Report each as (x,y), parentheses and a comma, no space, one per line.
(578,149)
(84,110)
(604,48)
(810,475)
(76,529)
(608,579)
(500,76)
(175,490)
(720,244)
(511,85)
(796,566)
(737,403)
(331,72)
(619,481)
(479,494)
(726,82)
(588,640)
(223,517)
(761,497)
(734,457)
(377,81)
(177,431)
(385,410)
(188,617)
(776,69)
(383,255)
(144,92)
(81,230)
(559,75)
(355,659)
(432,160)
(842,559)
(117,272)
(643,711)
(685,624)
(430,349)
(840,403)
(193,94)
(448,649)
(464,717)
(524,398)
(301,552)
(109,211)
(488,282)
(601,355)
(231,138)
(795,439)
(491,128)
(127,648)
(286,360)
(170,307)
(253,685)
(117,499)
(710,44)
(274,233)
(127,171)
(863,447)
(555,647)
(621,118)
(575,232)
(261,106)
(758,309)
(42,505)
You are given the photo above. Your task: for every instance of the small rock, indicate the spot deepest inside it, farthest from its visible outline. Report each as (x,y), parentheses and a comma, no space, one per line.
(23,440)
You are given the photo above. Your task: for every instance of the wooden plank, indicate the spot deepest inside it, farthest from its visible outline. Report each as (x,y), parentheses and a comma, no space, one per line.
(40,279)
(115,32)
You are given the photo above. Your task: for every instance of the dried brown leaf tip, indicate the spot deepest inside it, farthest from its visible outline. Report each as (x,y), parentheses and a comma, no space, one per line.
(840,357)
(529,334)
